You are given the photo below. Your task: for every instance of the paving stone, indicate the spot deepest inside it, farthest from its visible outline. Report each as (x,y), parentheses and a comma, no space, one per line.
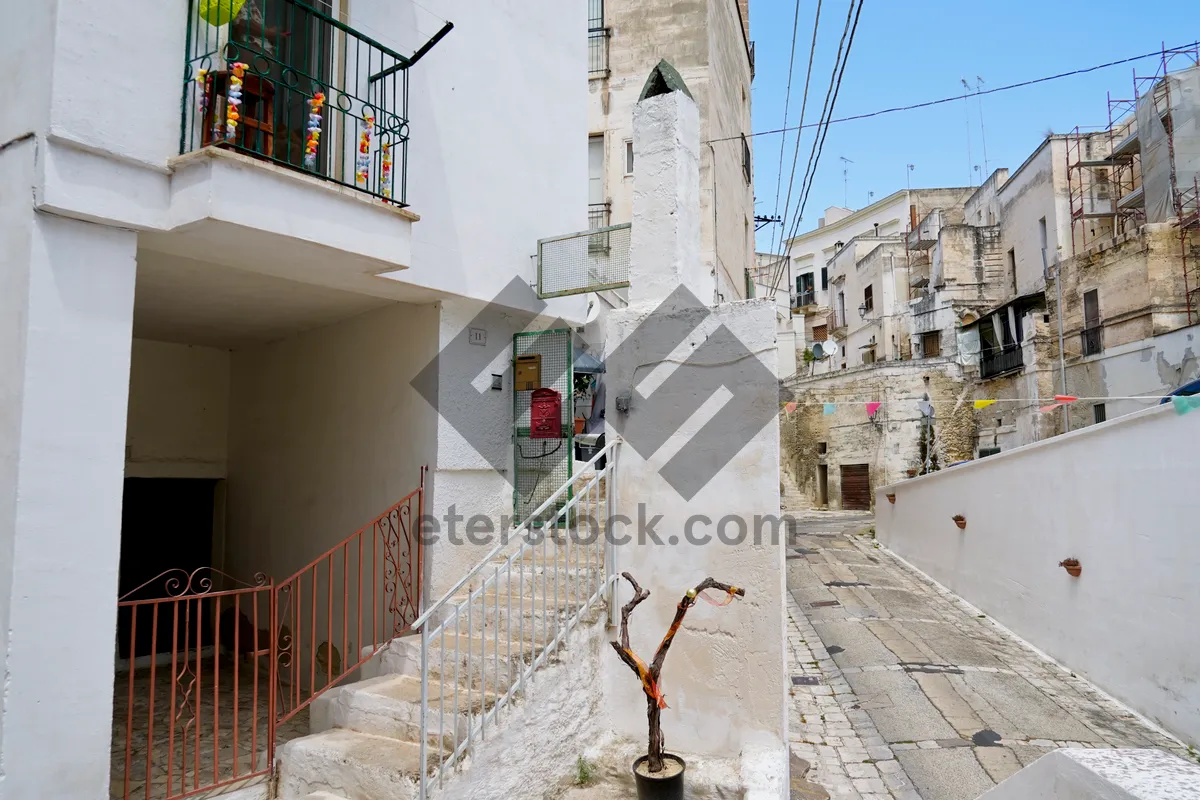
(998,762)
(1030,711)
(945,774)
(898,707)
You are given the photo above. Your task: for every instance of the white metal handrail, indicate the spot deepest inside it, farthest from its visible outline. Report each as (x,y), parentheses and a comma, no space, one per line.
(474,636)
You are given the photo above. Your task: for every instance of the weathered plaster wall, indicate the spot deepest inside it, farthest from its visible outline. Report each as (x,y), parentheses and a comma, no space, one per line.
(732,194)
(178,417)
(1036,190)
(325,432)
(891,442)
(724,676)
(1073,497)
(66,297)
(561,715)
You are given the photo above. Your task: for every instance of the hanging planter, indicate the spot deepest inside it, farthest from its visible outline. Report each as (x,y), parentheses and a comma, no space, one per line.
(891,498)
(1072,566)
(960,521)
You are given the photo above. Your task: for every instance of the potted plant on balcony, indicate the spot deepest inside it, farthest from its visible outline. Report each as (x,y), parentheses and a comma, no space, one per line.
(659,775)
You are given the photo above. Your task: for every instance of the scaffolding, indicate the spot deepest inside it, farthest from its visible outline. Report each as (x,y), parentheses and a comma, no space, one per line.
(1142,167)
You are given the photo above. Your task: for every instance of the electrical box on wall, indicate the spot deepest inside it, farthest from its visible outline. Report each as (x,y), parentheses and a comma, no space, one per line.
(545,414)
(528,373)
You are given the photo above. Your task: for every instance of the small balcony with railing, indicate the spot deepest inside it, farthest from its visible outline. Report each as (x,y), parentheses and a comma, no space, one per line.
(587,261)
(283,96)
(598,36)
(1000,360)
(1092,341)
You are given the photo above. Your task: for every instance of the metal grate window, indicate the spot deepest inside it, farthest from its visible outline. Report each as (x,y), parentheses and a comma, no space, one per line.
(587,261)
(597,39)
(542,465)
(598,214)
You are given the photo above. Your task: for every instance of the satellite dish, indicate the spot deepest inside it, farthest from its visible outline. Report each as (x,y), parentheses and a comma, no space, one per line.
(593,312)
(828,349)
(817,350)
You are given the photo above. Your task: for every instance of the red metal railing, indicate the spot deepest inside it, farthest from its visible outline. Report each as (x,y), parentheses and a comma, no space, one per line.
(344,606)
(211,666)
(200,672)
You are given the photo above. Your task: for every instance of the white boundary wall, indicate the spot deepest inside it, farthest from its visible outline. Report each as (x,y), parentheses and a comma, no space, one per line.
(1122,498)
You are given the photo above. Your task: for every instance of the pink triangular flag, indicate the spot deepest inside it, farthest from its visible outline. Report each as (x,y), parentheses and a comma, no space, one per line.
(789,408)
(1065,398)
(1050,407)
(872,408)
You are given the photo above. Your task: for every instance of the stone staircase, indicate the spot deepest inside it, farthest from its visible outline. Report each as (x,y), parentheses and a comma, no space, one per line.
(365,736)
(791,498)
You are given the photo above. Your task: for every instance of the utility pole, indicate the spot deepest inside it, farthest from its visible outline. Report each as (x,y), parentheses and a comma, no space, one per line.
(967,107)
(977,89)
(1062,359)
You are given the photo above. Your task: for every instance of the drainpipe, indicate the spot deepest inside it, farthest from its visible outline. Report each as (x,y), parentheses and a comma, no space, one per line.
(1062,361)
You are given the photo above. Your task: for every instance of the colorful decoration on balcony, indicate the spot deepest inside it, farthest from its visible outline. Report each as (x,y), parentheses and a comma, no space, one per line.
(364,149)
(201,82)
(233,98)
(220,12)
(385,170)
(314,130)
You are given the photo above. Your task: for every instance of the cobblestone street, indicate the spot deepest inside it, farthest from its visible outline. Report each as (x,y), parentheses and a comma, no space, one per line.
(901,690)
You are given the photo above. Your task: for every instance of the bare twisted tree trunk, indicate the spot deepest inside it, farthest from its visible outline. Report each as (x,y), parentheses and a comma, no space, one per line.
(655,700)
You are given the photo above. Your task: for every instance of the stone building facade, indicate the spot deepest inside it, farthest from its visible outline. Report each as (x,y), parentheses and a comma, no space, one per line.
(708,42)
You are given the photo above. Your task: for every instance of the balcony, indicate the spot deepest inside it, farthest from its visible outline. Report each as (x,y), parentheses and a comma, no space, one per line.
(597,40)
(999,361)
(836,320)
(293,86)
(1092,341)
(804,299)
(588,261)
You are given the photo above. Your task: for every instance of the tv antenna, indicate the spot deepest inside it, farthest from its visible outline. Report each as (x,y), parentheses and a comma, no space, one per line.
(845,180)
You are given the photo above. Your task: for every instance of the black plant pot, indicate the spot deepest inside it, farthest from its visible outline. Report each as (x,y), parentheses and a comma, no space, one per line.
(653,788)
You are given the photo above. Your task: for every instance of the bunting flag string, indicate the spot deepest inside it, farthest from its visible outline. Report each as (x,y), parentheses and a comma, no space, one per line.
(829,407)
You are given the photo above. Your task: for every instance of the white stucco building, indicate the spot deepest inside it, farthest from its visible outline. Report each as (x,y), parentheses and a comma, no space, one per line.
(227,336)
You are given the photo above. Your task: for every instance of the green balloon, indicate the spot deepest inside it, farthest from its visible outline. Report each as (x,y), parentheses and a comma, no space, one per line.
(220,12)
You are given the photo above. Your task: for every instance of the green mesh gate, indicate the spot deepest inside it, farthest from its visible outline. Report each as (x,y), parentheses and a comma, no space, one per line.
(540,466)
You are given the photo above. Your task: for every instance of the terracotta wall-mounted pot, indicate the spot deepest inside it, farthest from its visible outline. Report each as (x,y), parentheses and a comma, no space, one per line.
(960,521)
(1072,566)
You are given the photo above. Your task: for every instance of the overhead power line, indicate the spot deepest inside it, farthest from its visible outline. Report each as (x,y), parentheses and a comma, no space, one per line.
(831,95)
(787,100)
(780,267)
(957,97)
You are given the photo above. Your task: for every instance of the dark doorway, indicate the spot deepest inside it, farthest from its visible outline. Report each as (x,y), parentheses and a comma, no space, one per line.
(166,524)
(822,484)
(856,487)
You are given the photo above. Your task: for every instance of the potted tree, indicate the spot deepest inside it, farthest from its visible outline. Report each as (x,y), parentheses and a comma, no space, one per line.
(659,775)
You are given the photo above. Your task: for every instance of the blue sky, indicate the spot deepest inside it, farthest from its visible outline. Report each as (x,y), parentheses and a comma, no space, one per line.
(911,52)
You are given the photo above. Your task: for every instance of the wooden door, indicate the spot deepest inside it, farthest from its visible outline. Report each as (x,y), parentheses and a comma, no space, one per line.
(856,487)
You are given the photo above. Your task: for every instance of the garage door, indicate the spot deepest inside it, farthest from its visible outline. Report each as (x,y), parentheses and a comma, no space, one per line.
(856,487)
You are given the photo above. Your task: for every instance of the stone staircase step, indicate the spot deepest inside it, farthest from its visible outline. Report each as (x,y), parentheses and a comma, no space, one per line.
(323,796)
(349,765)
(390,706)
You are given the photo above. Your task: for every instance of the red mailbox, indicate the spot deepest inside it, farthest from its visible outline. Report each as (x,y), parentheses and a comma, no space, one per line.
(545,414)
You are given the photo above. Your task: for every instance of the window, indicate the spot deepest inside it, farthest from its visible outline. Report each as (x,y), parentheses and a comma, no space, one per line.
(804,290)
(868,299)
(595,170)
(868,356)
(1092,342)
(746,166)
(820,333)
(931,344)
(824,278)
(597,39)
(1012,268)
(822,448)
(629,156)
(984,452)
(1098,413)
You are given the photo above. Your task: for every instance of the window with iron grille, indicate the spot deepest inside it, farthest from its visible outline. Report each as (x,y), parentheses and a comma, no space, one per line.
(746,166)
(1099,414)
(597,39)
(820,333)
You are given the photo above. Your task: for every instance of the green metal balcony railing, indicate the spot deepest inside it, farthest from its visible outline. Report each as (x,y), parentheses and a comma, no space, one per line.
(285,82)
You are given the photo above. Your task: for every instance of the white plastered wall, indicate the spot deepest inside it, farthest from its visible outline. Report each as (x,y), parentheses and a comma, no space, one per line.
(1120,498)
